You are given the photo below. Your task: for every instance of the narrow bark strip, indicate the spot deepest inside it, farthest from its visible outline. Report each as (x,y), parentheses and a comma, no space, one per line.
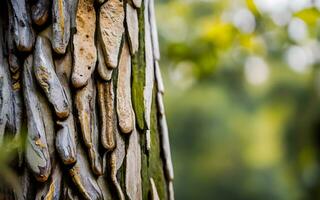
(107,114)
(133,168)
(37,153)
(116,161)
(61,25)
(165,139)
(14,74)
(5,90)
(124,105)
(47,78)
(85,107)
(154,32)
(23,32)
(111,18)
(85,52)
(5,103)
(149,73)
(132,25)
(66,133)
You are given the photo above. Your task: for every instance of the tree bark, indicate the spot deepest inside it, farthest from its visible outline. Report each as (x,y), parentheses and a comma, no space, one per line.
(80,84)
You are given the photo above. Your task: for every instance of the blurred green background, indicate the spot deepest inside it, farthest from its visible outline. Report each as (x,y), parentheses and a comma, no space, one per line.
(242,97)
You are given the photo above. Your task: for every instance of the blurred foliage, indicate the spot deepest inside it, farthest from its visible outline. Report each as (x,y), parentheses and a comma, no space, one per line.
(242,97)
(11,151)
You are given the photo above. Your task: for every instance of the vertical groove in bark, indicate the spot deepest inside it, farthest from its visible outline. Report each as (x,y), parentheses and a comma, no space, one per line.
(93,97)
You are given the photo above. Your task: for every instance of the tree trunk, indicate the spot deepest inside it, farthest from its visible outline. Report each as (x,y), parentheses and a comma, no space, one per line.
(81,85)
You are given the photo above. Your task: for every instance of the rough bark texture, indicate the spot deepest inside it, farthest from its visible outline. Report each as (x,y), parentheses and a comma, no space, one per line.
(85,77)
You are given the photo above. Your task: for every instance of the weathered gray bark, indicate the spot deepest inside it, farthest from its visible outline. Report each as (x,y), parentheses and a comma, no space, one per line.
(84,75)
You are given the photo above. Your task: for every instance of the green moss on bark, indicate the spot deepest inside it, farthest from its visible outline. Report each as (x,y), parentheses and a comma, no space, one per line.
(152,164)
(138,75)
(155,159)
(144,167)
